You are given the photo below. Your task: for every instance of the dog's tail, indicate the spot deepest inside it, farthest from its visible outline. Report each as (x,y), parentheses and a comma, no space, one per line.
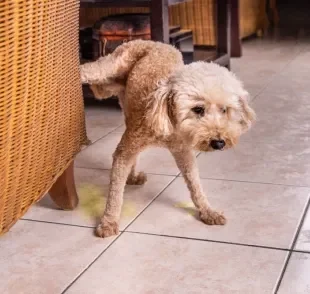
(107,76)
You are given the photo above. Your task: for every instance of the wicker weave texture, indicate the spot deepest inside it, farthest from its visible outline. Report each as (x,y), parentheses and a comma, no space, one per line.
(42,123)
(253,17)
(198,16)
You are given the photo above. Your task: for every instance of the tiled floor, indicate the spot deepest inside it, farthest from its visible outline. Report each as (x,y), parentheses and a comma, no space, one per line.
(263,186)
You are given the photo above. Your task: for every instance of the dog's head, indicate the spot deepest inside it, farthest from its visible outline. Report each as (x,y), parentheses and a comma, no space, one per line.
(203,103)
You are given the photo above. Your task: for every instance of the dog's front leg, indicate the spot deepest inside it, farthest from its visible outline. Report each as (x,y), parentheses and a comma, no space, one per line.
(123,159)
(186,161)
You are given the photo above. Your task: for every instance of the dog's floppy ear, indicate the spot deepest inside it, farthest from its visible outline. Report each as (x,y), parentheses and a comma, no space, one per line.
(159,111)
(248,115)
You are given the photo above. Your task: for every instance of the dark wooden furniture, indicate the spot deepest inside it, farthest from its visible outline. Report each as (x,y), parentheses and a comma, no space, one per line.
(158,8)
(235,40)
(223,13)
(160,25)
(224,22)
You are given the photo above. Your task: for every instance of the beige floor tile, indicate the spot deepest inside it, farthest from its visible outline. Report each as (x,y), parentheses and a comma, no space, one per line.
(291,85)
(256,213)
(282,116)
(303,241)
(292,82)
(296,278)
(299,63)
(136,198)
(254,67)
(283,107)
(102,120)
(99,155)
(41,258)
(120,130)
(253,77)
(152,264)
(153,160)
(264,162)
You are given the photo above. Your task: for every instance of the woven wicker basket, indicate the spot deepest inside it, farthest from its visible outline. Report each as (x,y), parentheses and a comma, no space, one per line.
(197,15)
(42,123)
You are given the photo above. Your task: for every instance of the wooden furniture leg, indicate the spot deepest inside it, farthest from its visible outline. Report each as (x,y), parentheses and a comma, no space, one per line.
(223,28)
(236,49)
(159,20)
(274,11)
(63,192)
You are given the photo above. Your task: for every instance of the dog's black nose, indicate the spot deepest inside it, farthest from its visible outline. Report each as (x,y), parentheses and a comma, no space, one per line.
(217,144)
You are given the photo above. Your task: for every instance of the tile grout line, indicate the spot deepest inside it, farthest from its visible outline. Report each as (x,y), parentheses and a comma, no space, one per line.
(56,223)
(93,142)
(153,200)
(292,247)
(205,178)
(278,73)
(219,242)
(177,237)
(108,169)
(123,124)
(252,182)
(90,264)
(122,232)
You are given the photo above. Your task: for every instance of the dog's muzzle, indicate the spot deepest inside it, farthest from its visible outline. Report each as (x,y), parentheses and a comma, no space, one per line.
(217,144)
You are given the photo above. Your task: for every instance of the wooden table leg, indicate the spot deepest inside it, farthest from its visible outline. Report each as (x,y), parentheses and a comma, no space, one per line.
(223,27)
(160,21)
(63,192)
(236,49)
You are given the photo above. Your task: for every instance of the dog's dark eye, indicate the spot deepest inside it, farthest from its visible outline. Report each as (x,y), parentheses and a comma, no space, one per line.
(224,110)
(199,110)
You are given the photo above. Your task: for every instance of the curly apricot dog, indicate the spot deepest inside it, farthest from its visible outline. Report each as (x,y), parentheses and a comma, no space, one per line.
(200,106)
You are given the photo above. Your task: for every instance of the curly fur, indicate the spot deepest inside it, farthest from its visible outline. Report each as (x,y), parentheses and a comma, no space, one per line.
(159,94)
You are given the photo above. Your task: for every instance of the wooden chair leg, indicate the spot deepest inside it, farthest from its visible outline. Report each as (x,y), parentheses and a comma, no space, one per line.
(236,47)
(274,11)
(63,192)
(223,11)
(160,21)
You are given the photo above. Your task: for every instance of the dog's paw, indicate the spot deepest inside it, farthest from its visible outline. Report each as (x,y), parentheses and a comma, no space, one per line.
(211,217)
(139,179)
(105,230)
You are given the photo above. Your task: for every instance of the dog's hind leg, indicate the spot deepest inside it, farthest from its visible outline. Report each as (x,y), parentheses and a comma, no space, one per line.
(186,161)
(116,66)
(135,178)
(123,160)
